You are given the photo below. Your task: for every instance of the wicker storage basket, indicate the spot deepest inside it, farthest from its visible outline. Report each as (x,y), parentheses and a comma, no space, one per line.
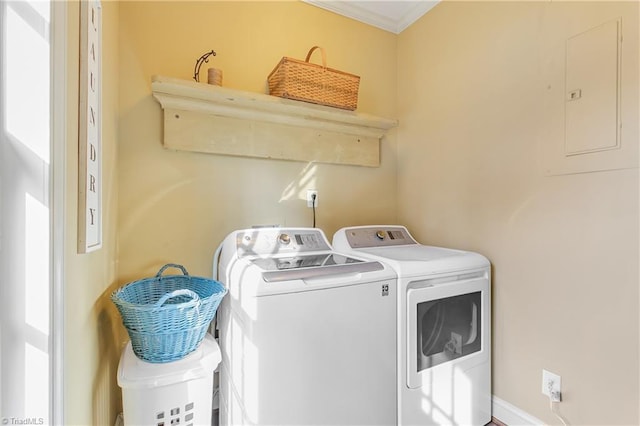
(167,316)
(304,81)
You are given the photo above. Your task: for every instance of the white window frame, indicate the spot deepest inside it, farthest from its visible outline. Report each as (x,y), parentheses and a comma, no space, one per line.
(58,211)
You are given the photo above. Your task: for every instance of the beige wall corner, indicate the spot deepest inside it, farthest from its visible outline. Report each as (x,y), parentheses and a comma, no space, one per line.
(472,90)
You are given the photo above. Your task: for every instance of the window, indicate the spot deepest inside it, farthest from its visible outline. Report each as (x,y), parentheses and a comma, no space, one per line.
(26,338)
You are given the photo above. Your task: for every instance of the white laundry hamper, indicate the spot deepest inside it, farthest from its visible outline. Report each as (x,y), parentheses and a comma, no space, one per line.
(173,393)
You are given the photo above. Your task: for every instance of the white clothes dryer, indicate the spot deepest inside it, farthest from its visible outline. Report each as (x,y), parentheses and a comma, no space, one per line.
(444,325)
(307,334)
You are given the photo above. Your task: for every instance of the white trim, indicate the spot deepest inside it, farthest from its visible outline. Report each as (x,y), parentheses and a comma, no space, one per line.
(3,49)
(368,13)
(511,415)
(57,188)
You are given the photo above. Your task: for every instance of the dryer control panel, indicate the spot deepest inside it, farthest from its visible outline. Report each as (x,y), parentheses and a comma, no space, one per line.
(375,236)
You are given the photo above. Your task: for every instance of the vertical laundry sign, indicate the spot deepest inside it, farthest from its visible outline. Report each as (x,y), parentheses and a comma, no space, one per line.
(90,129)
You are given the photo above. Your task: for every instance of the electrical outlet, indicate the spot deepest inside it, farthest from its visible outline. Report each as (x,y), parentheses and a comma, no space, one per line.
(310,199)
(551,385)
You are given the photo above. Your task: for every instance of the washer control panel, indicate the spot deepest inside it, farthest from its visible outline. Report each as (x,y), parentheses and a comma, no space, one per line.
(271,241)
(380,236)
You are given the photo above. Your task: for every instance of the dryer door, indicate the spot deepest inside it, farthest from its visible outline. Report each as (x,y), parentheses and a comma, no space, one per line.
(447,322)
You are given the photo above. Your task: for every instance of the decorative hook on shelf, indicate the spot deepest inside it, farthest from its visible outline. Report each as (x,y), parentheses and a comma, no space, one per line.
(204,58)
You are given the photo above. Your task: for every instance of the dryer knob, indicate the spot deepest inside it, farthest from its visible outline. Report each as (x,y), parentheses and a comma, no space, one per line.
(284,239)
(380,235)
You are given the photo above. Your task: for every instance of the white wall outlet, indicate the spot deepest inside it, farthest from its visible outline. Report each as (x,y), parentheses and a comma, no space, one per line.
(310,200)
(551,385)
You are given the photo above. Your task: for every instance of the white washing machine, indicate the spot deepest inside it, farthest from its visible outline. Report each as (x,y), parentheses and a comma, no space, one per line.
(307,334)
(444,325)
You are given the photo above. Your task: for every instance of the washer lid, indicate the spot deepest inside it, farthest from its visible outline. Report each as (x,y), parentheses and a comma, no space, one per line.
(312,266)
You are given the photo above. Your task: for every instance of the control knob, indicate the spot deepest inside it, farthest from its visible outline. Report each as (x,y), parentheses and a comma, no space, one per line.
(284,239)
(380,235)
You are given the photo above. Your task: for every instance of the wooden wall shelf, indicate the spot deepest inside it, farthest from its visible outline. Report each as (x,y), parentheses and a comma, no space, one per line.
(204,118)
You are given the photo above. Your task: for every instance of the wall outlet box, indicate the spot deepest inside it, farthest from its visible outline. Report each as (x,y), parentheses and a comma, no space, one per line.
(310,198)
(551,383)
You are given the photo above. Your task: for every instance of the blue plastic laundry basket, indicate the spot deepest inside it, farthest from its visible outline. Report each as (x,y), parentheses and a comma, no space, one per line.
(167,316)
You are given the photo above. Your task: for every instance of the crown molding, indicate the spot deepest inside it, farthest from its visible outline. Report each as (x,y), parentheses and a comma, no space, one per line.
(371,12)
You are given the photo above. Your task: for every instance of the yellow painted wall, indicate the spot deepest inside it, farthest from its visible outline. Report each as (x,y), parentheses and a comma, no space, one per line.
(178,206)
(91,351)
(472,85)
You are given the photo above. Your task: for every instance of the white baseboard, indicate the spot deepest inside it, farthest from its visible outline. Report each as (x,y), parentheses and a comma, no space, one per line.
(511,415)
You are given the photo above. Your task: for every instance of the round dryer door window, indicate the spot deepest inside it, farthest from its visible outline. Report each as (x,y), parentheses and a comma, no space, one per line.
(445,323)
(447,329)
